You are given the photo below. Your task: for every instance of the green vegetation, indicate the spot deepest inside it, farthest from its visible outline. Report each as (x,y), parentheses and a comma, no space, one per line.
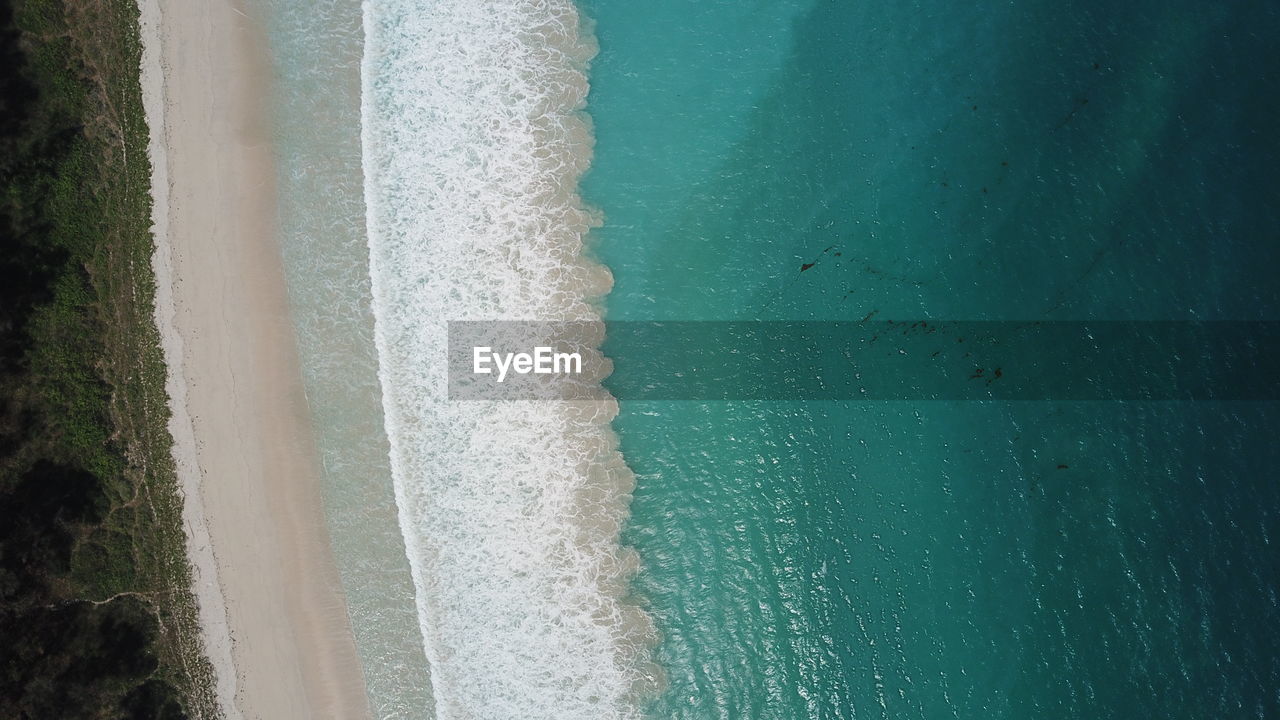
(97,619)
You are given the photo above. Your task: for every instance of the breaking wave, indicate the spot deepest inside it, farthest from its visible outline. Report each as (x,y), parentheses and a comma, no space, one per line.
(474,141)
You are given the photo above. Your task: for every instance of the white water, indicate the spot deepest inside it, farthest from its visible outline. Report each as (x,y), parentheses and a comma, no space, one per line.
(473,143)
(316,49)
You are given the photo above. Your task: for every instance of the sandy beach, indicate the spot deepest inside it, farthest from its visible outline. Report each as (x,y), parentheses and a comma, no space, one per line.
(273,613)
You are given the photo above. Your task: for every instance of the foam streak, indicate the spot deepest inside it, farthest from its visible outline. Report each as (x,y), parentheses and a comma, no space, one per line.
(473,144)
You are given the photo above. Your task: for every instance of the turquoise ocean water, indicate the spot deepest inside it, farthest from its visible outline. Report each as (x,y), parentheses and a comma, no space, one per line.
(1034,161)
(942,161)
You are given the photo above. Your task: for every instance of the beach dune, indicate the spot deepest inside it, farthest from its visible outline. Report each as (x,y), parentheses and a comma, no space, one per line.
(273,614)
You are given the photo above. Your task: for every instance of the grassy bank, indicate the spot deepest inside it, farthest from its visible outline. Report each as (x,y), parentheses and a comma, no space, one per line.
(95,603)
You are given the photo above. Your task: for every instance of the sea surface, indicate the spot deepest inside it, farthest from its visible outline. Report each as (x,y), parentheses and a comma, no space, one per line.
(791,160)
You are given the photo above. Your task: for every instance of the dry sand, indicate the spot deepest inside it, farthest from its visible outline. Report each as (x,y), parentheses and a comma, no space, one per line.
(274,618)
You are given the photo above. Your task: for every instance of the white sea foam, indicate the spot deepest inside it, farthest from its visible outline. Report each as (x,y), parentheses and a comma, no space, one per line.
(473,143)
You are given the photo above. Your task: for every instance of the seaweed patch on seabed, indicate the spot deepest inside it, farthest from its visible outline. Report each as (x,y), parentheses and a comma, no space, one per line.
(834,258)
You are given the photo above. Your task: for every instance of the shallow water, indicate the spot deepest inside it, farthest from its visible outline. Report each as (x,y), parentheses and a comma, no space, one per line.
(316,51)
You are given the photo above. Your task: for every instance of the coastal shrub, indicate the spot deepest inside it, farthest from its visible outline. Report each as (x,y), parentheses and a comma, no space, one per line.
(95,603)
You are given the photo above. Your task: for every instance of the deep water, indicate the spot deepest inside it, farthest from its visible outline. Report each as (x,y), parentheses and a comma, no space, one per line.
(1034,160)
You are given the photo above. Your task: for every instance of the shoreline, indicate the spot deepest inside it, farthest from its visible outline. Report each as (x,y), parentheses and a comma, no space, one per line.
(272,613)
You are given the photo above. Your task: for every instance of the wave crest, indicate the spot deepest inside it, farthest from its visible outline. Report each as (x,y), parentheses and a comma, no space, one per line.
(474,141)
